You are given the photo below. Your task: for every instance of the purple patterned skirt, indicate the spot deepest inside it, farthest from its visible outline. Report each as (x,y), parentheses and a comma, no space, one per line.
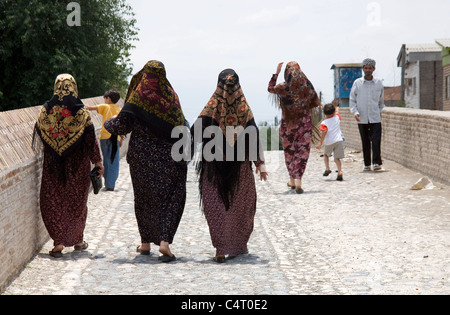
(231,230)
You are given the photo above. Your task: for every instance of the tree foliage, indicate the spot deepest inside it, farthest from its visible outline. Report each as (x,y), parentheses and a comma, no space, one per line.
(37,43)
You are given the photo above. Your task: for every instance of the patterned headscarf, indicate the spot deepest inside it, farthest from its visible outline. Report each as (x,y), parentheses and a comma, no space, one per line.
(64,119)
(228,105)
(152,99)
(65,85)
(296,96)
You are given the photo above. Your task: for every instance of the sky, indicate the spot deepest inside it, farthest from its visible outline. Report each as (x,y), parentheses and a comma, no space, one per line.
(197,39)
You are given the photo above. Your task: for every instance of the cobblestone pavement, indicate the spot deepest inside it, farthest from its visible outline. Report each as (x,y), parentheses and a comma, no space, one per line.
(367,235)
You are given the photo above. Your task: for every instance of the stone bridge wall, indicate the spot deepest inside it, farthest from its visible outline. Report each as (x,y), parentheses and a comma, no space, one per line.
(417,139)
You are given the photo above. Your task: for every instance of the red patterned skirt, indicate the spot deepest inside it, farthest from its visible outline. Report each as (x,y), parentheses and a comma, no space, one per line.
(296,142)
(64,203)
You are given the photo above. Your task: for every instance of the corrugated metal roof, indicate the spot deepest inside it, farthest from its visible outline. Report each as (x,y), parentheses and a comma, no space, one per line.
(418,48)
(443,42)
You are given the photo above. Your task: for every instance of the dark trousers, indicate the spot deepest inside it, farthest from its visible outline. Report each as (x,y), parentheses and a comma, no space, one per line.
(371,143)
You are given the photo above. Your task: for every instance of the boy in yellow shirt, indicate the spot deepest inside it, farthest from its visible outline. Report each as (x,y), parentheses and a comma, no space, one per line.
(110,144)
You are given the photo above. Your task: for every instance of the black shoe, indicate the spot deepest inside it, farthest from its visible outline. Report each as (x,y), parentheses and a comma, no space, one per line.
(142,252)
(55,254)
(167,259)
(340,178)
(219,259)
(81,247)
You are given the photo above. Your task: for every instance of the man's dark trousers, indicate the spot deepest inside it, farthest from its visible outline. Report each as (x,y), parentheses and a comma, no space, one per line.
(371,143)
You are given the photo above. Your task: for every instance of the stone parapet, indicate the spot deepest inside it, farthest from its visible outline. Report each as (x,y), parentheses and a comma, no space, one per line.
(417,139)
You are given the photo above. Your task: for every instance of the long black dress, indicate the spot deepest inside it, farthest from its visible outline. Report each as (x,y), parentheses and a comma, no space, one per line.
(159,182)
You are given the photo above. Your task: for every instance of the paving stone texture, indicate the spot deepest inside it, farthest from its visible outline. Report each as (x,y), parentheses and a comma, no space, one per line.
(367,235)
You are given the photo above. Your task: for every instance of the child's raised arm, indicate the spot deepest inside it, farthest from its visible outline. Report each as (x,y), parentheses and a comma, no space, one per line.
(91,107)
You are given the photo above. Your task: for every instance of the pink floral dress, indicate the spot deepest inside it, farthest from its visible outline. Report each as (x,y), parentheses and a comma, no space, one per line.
(296,97)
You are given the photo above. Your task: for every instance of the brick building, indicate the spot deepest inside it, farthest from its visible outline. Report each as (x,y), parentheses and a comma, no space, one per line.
(421,76)
(392,96)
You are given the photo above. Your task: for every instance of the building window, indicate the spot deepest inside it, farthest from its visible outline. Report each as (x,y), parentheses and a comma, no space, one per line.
(447,87)
(408,86)
(411,86)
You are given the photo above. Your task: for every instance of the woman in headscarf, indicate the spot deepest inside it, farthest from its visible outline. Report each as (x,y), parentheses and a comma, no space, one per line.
(226,181)
(152,110)
(70,146)
(298,100)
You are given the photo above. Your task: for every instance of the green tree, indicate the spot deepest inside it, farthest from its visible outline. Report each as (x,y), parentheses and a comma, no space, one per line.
(37,43)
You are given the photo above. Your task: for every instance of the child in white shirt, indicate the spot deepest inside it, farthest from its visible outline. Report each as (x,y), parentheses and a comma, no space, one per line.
(332,140)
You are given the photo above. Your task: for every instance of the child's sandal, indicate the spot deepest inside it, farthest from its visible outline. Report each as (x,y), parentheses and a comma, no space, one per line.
(327,173)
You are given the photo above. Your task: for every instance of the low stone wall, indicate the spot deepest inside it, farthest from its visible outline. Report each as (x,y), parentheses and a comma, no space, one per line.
(22,232)
(417,139)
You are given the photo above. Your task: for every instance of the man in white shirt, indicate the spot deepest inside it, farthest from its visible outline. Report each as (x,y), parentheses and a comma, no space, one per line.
(366,103)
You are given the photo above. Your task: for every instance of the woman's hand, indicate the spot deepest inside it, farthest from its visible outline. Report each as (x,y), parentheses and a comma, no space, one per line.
(101,170)
(263,173)
(280,65)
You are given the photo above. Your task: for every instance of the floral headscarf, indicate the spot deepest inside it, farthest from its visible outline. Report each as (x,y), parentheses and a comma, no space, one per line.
(64,119)
(152,99)
(296,96)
